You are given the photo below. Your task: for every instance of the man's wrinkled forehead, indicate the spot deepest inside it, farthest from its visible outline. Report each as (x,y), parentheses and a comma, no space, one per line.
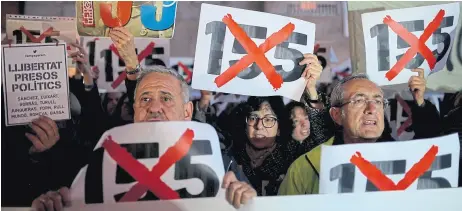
(160,81)
(362,87)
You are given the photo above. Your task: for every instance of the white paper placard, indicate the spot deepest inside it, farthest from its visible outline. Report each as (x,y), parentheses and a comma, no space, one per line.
(35,82)
(394,159)
(216,48)
(109,63)
(383,46)
(198,174)
(447,199)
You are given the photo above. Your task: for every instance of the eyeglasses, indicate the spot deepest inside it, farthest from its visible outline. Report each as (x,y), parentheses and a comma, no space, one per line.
(268,122)
(361,102)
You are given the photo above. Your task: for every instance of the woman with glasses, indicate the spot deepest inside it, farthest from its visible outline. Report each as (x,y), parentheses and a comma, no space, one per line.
(262,143)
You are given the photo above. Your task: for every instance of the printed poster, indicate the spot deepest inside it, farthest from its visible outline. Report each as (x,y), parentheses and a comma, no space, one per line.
(112,68)
(394,159)
(154,19)
(35,82)
(388,36)
(185,156)
(218,50)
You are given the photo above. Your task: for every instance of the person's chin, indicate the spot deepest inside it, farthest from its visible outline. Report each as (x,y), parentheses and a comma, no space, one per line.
(371,135)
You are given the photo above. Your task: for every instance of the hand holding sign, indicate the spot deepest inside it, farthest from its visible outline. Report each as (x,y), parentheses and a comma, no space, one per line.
(417,85)
(312,71)
(53,200)
(125,44)
(46,134)
(237,192)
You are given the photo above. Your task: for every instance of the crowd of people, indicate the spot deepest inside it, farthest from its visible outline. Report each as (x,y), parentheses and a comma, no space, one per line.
(268,148)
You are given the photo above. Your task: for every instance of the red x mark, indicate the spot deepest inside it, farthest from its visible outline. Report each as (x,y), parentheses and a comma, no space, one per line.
(255,54)
(149,180)
(35,39)
(407,109)
(417,45)
(187,71)
(143,54)
(384,183)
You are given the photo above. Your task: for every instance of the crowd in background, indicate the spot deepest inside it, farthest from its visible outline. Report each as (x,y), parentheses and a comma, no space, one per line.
(47,155)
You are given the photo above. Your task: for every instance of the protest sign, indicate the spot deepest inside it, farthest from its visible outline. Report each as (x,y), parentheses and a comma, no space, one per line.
(184,66)
(425,200)
(221,55)
(397,41)
(181,160)
(154,19)
(342,173)
(112,68)
(22,29)
(35,82)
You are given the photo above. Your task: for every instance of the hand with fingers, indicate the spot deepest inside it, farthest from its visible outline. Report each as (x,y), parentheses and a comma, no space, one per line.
(125,43)
(311,73)
(46,134)
(206,96)
(417,85)
(237,192)
(53,200)
(81,57)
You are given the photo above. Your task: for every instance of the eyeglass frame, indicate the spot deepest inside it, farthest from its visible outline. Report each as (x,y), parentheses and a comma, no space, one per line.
(385,103)
(258,120)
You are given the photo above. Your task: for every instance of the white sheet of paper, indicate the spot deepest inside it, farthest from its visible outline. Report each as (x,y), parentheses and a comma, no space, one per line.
(216,43)
(395,159)
(205,163)
(35,82)
(159,56)
(376,33)
(423,200)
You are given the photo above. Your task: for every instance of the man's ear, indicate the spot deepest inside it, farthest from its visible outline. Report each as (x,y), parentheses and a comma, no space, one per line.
(336,115)
(188,111)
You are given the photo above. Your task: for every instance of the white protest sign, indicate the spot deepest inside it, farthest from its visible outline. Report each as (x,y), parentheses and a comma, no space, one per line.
(394,159)
(447,199)
(198,173)
(150,52)
(35,82)
(217,50)
(390,56)
(184,66)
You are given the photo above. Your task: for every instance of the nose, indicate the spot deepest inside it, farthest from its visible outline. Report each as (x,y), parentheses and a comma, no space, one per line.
(371,108)
(155,106)
(259,124)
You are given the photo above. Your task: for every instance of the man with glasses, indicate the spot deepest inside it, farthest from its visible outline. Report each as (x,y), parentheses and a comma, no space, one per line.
(358,106)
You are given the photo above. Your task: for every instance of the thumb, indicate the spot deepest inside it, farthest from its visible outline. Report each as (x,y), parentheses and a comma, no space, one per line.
(229,178)
(66,195)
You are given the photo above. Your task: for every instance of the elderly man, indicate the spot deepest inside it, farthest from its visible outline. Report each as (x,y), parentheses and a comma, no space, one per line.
(161,94)
(358,106)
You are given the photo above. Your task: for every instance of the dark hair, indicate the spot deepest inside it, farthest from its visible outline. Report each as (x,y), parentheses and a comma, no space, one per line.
(293,104)
(243,110)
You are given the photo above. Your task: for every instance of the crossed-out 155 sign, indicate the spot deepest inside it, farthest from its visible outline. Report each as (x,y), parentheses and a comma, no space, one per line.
(397,41)
(342,170)
(103,54)
(152,161)
(219,51)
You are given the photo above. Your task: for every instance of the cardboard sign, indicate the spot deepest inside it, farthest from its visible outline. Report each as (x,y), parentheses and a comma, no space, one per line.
(165,160)
(154,19)
(112,68)
(35,82)
(22,29)
(397,41)
(225,50)
(341,174)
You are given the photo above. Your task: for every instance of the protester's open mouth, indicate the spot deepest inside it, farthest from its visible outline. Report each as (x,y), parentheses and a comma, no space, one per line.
(370,122)
(305,132)
(259,136)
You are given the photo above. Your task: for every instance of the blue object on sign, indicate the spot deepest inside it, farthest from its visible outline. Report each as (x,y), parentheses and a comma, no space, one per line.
(148,16)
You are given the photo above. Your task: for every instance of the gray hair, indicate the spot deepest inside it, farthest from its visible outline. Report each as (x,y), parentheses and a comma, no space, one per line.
(337,94)
(165,70)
